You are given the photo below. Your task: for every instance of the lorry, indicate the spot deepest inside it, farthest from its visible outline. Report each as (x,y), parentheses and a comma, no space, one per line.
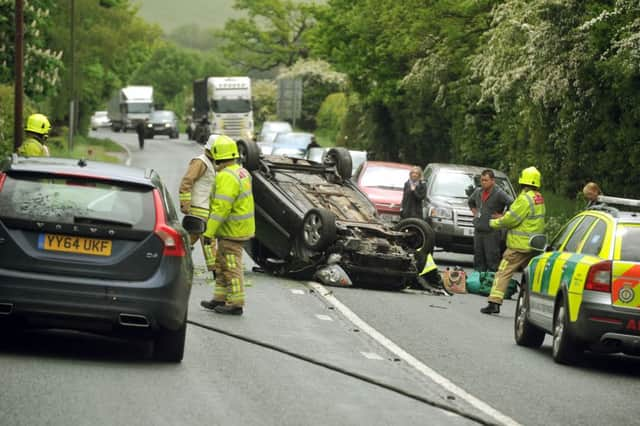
(130,105)
(222,105)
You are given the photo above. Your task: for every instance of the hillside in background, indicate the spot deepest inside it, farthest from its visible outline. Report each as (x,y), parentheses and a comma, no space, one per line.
(171,14)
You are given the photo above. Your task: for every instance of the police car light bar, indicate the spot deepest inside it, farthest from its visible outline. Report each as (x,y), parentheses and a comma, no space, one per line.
(619,201)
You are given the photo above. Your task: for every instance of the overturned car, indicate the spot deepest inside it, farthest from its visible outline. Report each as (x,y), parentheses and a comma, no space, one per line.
(313,221)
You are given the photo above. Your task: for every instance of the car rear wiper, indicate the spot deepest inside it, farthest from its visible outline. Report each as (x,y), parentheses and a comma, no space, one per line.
(100,221)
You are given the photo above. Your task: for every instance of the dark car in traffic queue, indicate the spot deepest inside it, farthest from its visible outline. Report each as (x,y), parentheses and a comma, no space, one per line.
(446,206)
(95,247)
(584,289)
(162,122)
(311,215)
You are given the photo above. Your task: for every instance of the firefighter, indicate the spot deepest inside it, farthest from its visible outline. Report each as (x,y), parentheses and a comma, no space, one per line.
(232,222)
(195,189)
(524,219)
(37,132)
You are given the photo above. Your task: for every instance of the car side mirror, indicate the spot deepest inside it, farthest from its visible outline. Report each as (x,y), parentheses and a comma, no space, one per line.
(538,242)
(194,224)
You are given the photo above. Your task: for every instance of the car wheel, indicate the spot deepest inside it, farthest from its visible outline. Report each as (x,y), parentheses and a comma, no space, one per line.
(526,334)
(174,135)
(249,155)
(318,229)
(169,344)
(422,237)
(566,349)
(341,158)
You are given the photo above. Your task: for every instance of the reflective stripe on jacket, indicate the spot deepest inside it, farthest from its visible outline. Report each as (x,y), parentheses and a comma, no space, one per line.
(31,148)
(231,208)
(524,219)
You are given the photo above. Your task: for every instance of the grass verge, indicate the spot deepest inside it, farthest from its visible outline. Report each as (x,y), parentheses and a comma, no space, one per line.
(87,147)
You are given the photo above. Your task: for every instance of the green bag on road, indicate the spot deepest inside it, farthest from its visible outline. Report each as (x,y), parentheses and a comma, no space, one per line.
(481,283)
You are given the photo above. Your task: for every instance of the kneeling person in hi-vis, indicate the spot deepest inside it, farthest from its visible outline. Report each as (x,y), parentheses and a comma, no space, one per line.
(195,191)
(524,219)
(231,222)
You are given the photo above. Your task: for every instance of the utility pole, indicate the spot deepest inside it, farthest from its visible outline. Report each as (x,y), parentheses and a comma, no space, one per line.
(72,103)
(19,71)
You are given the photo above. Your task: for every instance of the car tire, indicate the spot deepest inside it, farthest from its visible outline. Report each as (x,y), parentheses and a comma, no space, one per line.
(169,344)
(425,237)
(341,158)
(318,229)
(525,333)
(565,348)
(174,135)
(249,155)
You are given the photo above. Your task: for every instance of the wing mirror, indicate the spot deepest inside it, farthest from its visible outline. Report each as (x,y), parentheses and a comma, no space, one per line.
(194,224)
(538,242)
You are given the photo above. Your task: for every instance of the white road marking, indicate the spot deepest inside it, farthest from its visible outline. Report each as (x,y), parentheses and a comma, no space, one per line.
(410,359)
(128,162)
(296,291)
(372,355)
(324,317)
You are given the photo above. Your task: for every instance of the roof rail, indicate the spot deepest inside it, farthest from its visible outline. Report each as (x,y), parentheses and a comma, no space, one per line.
(605,208)
(147,173)
(618,201)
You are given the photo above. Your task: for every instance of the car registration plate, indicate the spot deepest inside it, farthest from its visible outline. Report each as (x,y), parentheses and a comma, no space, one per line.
(468,232)
(73,244)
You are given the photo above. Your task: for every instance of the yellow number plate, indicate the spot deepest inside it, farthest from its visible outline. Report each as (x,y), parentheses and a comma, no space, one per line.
(71,244)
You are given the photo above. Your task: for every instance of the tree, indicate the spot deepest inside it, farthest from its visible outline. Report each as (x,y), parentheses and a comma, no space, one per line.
(42,64)
(274,34)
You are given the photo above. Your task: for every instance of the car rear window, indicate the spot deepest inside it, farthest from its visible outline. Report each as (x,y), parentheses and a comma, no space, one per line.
(630,243)
(77,200)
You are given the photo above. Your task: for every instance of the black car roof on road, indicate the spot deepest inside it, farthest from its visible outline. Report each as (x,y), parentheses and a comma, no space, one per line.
(75,167)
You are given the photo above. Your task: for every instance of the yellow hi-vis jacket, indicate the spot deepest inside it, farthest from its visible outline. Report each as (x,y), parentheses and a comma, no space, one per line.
(32,148)
(524,219)
(231,212)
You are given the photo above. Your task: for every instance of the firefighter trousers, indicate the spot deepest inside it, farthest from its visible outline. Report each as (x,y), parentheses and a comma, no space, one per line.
(511,262)
(209,251)
(229,273)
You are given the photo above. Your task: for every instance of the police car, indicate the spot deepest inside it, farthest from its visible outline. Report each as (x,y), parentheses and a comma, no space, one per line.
(584,289)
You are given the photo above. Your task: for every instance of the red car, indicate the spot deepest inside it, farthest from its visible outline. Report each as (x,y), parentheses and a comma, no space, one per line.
(383,182)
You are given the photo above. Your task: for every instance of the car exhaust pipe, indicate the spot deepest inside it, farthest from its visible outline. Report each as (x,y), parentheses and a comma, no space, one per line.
(133,320)
(6,308)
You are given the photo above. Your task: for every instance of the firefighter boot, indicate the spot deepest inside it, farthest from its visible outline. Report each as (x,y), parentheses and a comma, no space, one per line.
(210,304)
(491,308)
(228,309)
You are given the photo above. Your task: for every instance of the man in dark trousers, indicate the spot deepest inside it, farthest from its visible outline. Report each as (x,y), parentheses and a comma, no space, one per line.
(487,202)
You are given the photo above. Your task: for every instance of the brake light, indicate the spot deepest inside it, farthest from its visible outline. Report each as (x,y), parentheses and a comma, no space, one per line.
(599,277)
(173,245)
(3,176)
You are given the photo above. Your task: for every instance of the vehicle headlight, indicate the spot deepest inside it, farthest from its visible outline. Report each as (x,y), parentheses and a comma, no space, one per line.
(441,212)
(149,125)
(167,124)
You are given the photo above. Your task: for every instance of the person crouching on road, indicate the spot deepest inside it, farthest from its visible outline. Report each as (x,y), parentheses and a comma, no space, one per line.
(524,219)
(232,222)
(195,190)
(37,132)
(415,189)
(487,202)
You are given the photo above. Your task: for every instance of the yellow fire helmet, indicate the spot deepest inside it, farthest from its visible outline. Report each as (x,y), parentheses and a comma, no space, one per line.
(530,176)
(38,123)
(224,148)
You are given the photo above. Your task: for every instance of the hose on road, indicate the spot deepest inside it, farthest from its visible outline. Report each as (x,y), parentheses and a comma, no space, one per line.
(370,380)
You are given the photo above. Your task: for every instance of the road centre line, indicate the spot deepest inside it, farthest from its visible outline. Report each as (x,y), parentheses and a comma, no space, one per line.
(324,317)
(372,355)
(297,291)
(410,359)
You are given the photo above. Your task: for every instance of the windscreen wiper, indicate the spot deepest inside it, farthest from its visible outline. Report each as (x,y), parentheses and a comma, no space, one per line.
(100,221)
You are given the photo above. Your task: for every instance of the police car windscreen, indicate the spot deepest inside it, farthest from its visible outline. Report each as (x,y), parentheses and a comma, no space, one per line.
(77,200)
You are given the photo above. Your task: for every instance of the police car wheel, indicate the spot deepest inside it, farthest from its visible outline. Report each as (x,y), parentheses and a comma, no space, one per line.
(526,334)
(565,349)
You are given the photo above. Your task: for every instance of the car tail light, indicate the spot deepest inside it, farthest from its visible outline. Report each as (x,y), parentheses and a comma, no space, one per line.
(599,277)
(3,176)
(173,244)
